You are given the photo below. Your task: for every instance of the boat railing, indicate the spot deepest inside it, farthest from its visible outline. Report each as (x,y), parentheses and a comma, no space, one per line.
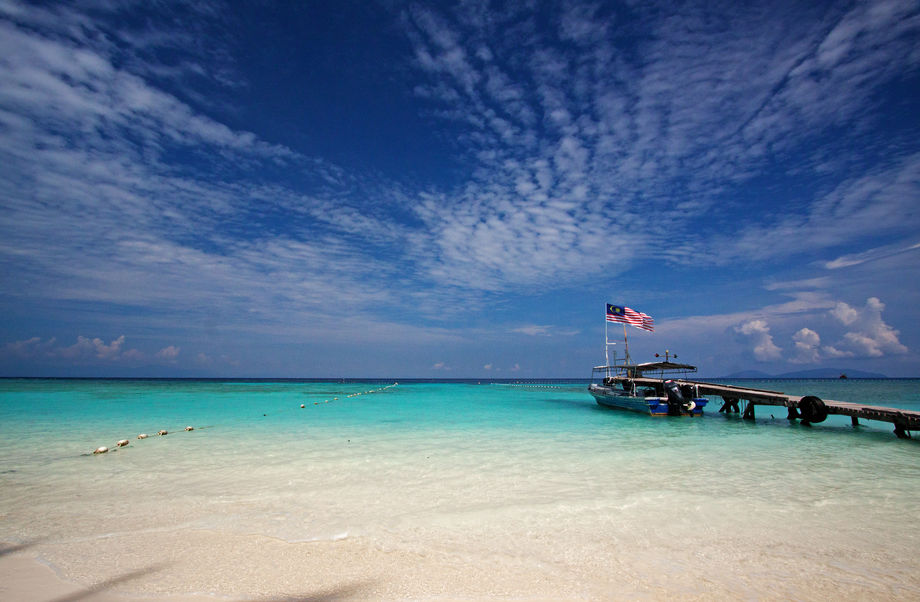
(621,369)
(603,373)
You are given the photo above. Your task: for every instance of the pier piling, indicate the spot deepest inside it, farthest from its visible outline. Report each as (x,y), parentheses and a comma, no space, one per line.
(809,409)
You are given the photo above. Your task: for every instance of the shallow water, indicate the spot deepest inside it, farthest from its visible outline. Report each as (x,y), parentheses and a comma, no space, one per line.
(531,481)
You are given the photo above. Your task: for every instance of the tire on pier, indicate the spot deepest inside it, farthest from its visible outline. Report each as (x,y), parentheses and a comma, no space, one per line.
(812,409)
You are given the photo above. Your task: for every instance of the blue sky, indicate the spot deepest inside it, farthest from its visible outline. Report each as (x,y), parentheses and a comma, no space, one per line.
(376,189)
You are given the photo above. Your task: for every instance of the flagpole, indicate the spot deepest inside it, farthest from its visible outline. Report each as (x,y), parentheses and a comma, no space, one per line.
(606,343)
(626,342)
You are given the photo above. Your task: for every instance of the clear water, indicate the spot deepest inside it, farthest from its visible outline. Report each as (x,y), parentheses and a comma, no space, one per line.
(531,481)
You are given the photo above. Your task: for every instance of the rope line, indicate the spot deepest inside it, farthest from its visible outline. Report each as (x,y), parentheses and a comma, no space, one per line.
(163,432)
(125,442)
(316,403)
(523,386)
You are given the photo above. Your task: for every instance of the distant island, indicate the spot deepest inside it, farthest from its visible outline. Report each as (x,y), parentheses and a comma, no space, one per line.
(816,373)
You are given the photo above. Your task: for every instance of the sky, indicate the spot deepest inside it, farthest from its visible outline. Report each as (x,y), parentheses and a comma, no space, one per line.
(455,190)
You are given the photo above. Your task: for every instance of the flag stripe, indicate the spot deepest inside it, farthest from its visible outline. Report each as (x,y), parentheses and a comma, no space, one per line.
(625,315)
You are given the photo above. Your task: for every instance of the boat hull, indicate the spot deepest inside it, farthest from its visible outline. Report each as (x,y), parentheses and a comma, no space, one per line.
(653,406)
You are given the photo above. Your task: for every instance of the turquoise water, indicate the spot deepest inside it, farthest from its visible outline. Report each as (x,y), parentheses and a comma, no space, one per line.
(526,475)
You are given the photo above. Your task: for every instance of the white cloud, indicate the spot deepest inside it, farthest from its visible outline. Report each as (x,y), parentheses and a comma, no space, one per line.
(875,254)
(583,160)
(759,333)
(846,314)
(882,196)
(134,355)
(821,282)
(808,337)
(863,344)
(29,348)
(84,350)
(616,149)
(806,346)
(848,331)
(544,330)
(532,330)
(869,334)
(169,353)
(832,351)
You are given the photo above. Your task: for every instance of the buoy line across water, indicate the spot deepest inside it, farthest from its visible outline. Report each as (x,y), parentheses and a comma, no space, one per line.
(125,442)
(163,432)
(529,386)
(316,403)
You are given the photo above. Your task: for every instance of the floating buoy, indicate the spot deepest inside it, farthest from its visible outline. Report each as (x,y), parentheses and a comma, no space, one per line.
(302,406)
(163,433)
(190,428)
(122,443)
(101,450)
(142,436)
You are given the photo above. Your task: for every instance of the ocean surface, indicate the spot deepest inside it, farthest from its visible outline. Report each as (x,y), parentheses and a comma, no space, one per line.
(456,489)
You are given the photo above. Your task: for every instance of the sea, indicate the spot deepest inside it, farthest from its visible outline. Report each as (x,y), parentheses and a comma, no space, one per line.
(475,489)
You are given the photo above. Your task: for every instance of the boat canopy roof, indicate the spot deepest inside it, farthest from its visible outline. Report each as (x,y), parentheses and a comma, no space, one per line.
(638,369)
(660,367)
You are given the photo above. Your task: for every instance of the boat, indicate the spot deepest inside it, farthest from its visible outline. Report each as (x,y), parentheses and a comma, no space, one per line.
(648,387)
(624,386)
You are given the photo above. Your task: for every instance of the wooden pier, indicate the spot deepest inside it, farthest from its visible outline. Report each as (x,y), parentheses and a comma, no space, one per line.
(809,409)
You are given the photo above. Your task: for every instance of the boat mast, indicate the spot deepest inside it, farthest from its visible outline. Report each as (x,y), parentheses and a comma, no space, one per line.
(626,342)
(607,345)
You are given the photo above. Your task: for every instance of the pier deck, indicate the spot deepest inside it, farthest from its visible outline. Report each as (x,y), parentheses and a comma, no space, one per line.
(808,409)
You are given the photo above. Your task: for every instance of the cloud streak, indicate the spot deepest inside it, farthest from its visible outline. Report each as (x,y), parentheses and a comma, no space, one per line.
(583,156)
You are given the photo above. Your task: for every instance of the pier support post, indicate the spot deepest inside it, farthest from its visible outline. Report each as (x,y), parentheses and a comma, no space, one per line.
(900,431)
(729,405)
(854,420)
(749,410)
(793,413)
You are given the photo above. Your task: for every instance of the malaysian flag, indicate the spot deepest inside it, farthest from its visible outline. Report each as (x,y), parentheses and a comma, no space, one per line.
(617,313)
